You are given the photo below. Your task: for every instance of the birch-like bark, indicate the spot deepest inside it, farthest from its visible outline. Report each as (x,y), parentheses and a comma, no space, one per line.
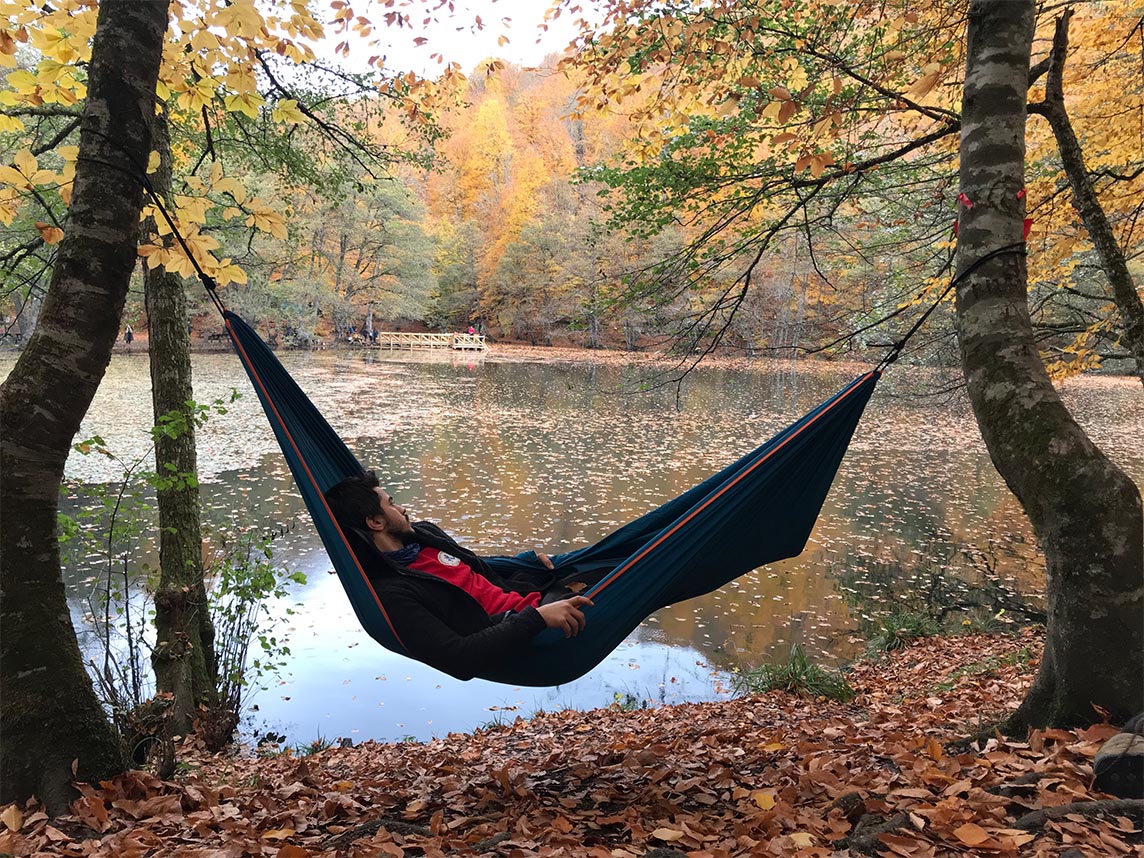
(50,717)
(1085,511)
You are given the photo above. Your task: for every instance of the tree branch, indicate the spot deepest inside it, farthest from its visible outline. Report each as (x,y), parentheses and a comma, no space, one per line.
(1088,205)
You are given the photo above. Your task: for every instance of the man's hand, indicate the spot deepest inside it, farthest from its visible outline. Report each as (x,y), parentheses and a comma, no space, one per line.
(566,615)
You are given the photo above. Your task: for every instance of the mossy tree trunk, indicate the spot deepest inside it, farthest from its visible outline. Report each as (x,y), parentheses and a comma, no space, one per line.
(1085,511)
(183,659)
(50,717)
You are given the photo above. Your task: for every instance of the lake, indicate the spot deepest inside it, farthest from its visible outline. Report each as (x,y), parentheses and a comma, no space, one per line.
(511,455)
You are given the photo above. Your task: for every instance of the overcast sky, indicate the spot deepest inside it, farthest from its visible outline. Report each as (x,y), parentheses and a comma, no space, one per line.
(459,40)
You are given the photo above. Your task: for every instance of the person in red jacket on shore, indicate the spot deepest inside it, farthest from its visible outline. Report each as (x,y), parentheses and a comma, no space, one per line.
(447,606)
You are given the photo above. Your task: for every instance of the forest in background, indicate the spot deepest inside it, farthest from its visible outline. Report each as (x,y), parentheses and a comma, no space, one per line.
(519,202)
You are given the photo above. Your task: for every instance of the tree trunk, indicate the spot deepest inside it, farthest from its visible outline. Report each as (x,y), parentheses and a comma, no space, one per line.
(1087,203)
(184,658)
(1085,511)
(50,718)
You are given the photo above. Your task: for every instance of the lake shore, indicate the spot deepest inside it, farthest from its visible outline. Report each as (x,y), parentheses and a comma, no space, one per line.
(890,773)
(651,358)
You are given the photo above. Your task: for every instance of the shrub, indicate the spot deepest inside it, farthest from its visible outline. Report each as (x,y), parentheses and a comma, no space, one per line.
(799,675)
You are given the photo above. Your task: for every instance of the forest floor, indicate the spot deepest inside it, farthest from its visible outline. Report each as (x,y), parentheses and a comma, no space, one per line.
(894,772)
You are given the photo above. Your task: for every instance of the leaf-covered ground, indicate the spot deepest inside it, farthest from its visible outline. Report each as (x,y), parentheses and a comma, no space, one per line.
(891,773)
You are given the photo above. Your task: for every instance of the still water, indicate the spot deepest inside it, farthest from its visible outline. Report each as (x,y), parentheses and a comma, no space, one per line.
(511,456)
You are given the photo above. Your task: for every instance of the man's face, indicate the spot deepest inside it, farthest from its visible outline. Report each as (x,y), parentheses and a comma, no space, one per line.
(394,517)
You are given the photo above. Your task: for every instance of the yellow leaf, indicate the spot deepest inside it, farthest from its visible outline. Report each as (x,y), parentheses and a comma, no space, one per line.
(153,161)
(268,220)
(802,839)
(931,74)
(162,91)
(154,255)
(204,40)
(241,18)
(278,834)
(286,111)
(771,111)
(12,817)
(22,81)
(246,103)
(191,209)
(765,800)
(668,834)
(232,187)
(27,172)
(9,124)
(50,234)
(228,272)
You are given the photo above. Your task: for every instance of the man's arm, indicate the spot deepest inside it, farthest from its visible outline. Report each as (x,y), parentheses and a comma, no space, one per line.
(429,639)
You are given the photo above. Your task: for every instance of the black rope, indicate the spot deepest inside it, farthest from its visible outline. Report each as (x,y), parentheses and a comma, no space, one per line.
(896,350)
(141,176)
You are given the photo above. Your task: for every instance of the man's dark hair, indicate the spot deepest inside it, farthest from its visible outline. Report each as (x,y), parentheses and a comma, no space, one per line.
(353,500)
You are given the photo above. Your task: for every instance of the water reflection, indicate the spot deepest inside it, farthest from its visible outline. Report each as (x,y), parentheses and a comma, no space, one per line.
(511,456)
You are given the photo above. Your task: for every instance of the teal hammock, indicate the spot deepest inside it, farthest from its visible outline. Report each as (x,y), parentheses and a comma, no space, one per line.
(757,510)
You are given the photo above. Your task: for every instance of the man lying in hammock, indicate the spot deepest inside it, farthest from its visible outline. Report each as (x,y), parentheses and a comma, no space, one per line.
(447,606)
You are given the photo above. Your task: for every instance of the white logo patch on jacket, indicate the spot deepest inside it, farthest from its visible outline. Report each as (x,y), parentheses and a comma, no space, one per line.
(447,559)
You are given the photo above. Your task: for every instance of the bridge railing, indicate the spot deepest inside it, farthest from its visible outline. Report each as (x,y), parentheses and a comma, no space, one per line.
(410,341)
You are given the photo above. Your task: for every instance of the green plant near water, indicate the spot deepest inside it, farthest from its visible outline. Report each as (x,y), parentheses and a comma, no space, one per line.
(244,580)
(110,531)
(900,629)
(797,675)
(315,746)
(625,701)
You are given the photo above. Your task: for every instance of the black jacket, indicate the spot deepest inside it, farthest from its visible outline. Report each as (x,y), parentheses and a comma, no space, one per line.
(439,623)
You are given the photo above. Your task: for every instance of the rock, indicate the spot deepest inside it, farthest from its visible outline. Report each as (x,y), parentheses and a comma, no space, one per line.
(1119,765)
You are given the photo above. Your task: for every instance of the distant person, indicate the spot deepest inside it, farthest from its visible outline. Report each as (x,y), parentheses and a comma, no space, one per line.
(472,330)
(373,336)
(447,605)
(128,336)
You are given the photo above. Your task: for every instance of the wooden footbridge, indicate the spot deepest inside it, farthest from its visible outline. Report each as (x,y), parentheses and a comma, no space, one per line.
(412,342)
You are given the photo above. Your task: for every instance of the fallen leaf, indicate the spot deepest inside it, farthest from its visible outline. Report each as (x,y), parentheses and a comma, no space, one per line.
(972,834)
(765,800)
(12,817)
